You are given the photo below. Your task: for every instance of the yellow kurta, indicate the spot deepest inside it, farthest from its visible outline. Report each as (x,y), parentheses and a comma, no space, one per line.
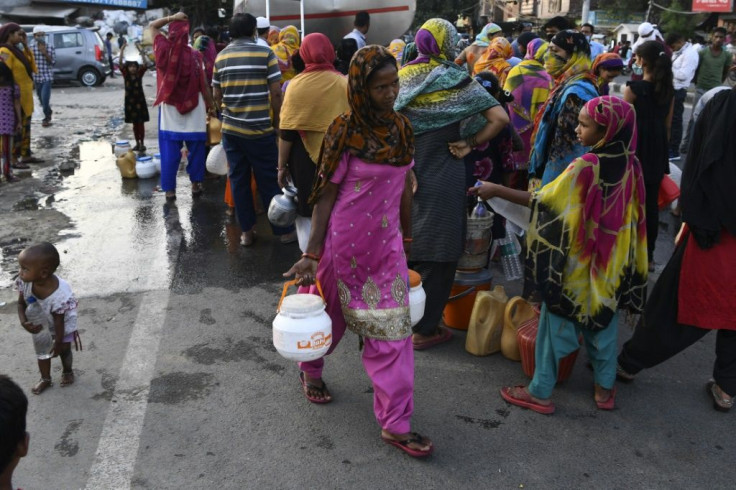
(22,78)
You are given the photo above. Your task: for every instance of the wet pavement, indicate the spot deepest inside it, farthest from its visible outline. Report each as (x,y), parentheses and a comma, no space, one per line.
(179,385)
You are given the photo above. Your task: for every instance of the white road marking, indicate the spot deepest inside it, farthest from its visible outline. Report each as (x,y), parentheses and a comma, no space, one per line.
(117,448)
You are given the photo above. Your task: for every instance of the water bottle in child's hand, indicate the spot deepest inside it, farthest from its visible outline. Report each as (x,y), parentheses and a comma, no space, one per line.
(43,342)
(479,211)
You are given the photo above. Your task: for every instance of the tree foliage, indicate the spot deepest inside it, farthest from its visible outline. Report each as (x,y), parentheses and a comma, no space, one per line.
(667,21)
(624,5)
(679,23)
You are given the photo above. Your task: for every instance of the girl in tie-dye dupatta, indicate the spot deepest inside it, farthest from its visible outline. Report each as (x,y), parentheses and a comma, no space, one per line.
(586,252)
(587,238)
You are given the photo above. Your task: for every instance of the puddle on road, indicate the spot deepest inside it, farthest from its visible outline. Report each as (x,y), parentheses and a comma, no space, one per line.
(124,237)
(119,241)
(46,142)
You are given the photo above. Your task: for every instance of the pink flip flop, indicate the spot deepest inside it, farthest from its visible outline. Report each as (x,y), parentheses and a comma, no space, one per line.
(404,445)
(444,336)
(517,395)
(608,404)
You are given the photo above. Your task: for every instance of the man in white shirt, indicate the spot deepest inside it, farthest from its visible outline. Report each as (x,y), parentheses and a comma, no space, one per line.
(684,65)
(596,48)
(361,24)
(262,27)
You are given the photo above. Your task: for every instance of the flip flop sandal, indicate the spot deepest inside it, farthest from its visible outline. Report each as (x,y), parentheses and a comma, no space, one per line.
(307,387)
(719,403)
(517,395)
(444,336)
(404,445)
(608,404)
(41,386)
(20,166)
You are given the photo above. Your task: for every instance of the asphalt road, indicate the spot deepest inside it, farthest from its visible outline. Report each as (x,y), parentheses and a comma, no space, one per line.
(179,385)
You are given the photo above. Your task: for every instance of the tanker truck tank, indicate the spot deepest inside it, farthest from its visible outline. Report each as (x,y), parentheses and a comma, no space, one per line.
(334,18)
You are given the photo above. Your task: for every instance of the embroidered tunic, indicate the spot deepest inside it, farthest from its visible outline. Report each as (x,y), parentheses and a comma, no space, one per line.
(364,250)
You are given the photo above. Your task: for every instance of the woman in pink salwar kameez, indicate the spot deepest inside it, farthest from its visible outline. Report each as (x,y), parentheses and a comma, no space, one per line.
(358,242)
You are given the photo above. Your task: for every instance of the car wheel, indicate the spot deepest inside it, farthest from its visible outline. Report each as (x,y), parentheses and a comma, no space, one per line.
(89,77)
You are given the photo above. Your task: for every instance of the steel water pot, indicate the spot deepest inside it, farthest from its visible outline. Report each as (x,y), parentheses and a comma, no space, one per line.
(282,209)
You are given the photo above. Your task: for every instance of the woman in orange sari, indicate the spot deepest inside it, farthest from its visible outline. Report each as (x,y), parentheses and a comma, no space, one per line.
(494,59)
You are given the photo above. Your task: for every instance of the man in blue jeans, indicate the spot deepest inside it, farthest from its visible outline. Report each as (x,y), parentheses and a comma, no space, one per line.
(45,56)
(108,52)
(245,77)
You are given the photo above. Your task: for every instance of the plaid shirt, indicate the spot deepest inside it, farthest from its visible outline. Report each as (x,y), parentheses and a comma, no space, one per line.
(45,73)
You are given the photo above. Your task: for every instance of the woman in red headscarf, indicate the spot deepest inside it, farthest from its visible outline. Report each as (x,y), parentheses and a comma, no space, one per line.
(315,98)
(184,101)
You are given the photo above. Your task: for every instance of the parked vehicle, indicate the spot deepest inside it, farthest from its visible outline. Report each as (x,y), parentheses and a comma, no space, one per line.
(80,54)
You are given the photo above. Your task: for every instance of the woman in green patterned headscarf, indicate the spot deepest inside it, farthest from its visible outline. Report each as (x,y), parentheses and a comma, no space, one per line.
(450,113)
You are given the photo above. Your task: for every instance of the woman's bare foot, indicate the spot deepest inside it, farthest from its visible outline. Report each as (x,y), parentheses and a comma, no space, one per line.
(41,386)
(248,238)
(67,378)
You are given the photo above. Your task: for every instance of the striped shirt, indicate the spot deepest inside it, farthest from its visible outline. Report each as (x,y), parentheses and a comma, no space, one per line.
(244,71)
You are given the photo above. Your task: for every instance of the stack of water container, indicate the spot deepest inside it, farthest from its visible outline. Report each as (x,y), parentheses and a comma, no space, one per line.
(142,167)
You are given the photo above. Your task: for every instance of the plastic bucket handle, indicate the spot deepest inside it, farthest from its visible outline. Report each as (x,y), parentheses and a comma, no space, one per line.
(462,294)
(294,282)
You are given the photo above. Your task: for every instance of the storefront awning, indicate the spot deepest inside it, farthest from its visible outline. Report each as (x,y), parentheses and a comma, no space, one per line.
(40,11)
